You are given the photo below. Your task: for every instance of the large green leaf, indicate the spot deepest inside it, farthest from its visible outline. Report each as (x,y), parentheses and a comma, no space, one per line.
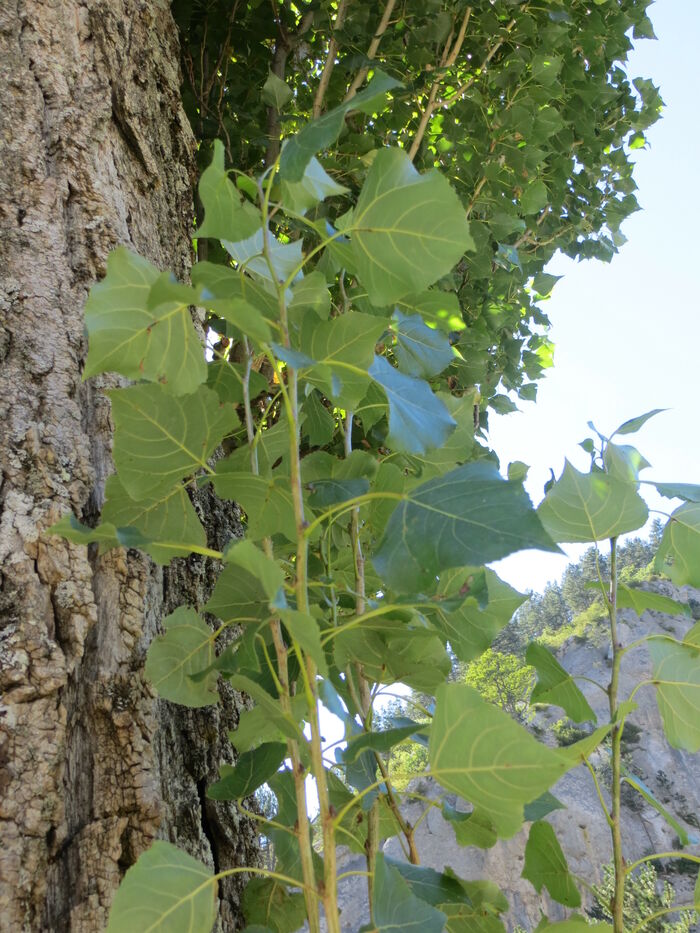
(471,829)
(319,134)
(159,439)
(468,516)
(225,216)
(256,726)
(545,865)
(166,891)
(390,654)
(249,588)
(187,647)
(435,306)
(420,350)
(677,680)
(470,629)
(407,229)
(252,769)
(226,379)
(284,258)
(136,337)
(591,507)
(634,424)
(268,904)
(433,887)
(629,597)
(480,753)
(171,520)
(687,491)
(396,908)
(315,186)
(418,420)
(461,918)
(380,741)
(679,550)
(305,631)
(237,298)
(556,686)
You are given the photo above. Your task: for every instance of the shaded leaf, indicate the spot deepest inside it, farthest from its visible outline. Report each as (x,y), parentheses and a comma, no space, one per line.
(275,92)
(226,379)
(471,829)
(249,588)
(418,420)
(186,648)
(634,424)
(679,551)
(285,258)
(433,887)
(225,216)
(420,350)
(305,631)
(380,741)
(591,507)
(315,186)
(252,769)
(545,865)
(166,891)
(468,516)
(686,491)
(267,903)
(478,752)
(238,299)
(396,908)
(317,423)
(267,503)
(556,686)
(544,804)
(326,492)
(141,340)
(159,439)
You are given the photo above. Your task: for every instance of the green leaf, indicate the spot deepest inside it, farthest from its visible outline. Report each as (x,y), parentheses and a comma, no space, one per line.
(226,379)
(556,686)
(159,439)
(71,529)
(256,726)
(640,600)
(468,516)
(380,741)
(534,198)
(249,588)
(591,507)
(170,525)
(420,350)
(187,647)
(464,919)
(317,423)
(238,299)
(436,307)
(326,492)
(129,335)
(315,186)
(252,769)
(166,891)
(677,680)
(396,908)
(321,133)
(624,462)
(545,865)
(471,629)
(418,420)
(679,550)
(433,887)
(407,229)
(310,294)
(305,631)
(267,903)
(225,216)
(471,829)
(343,349)
(634,424)
(268,504)
(285,258)
(389,654)
(545,803)
(576,924)
(275,92)
(686,491)
(478,752)
(543,283)
(286,723)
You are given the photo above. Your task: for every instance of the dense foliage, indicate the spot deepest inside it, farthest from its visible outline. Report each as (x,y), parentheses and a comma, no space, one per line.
(371,287)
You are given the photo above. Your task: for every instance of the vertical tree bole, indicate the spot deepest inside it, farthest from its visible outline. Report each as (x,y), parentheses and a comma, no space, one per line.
(95,150)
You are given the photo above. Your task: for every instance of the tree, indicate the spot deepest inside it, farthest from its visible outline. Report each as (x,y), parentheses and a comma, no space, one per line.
(94,767)
(528,113)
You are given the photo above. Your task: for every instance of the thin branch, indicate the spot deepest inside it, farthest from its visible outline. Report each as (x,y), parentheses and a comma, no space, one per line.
(330,60)
(372,50)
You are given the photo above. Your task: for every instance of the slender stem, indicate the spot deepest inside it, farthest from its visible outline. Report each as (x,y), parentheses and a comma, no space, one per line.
(372,50)
(330,60)
(662,913)
(599,792)
(657,855)
(406,828)
(616,739)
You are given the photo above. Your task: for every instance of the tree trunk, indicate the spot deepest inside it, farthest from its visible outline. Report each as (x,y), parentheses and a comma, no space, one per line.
(95,151)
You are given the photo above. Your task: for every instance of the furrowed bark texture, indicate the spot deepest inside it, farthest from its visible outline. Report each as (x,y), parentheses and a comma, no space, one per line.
(95,150)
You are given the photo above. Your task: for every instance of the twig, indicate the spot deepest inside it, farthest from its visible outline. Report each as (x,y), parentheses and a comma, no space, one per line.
(330,60)
(372,50)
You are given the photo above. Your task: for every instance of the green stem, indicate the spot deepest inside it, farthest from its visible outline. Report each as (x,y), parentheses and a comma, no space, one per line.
(616,739)
(662,913)
(657,855)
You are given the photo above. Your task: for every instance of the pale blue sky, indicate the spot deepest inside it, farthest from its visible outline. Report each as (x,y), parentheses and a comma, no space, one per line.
(627,334)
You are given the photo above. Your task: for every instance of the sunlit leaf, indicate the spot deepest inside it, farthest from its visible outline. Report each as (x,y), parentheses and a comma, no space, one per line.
(225,216)
(629,597)
(677,680)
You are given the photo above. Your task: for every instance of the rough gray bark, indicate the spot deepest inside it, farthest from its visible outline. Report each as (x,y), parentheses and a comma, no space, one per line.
(95,151)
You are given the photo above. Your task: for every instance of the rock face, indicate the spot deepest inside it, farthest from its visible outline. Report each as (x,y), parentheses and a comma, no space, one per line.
(673,776)
(95,150)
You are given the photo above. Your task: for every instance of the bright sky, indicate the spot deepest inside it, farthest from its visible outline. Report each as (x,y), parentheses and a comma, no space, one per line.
(627,334)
